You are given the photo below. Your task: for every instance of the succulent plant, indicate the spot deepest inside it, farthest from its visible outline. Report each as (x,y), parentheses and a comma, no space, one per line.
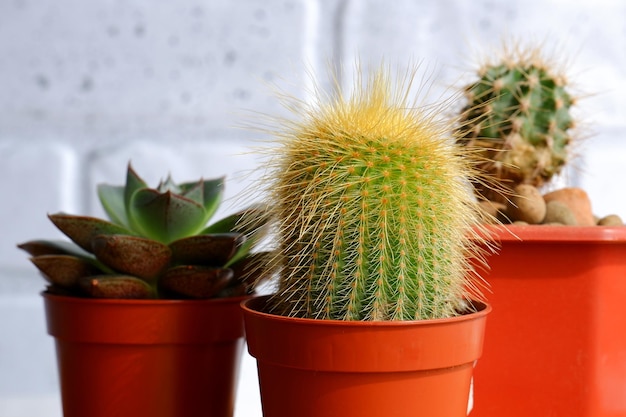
(518,117)
(156,244)
(374,212)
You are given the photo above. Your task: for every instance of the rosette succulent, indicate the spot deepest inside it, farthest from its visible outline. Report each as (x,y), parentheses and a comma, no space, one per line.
(156,244)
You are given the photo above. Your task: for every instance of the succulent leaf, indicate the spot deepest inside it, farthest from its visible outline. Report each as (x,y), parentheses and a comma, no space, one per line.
(166,217)
(133,184)
(64,270)
(116,286)
(251,270)
(196,281)
(247,221)
(252,222)
(82,229)
(169,185)
(112,200)
(132,255)
(53,247)
(194,193)
(210,197)
(242,253)
(224,225)
(211,250)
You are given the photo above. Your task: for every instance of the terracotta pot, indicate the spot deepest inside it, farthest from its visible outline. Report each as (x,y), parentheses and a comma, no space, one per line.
(313,368)
(557,335)
(157,358)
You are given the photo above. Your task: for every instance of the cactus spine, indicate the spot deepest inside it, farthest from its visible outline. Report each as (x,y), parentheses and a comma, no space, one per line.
(374,213)
(518,117)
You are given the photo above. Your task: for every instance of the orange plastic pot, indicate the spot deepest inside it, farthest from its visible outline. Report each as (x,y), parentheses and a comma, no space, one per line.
(557,335)
(313,368)
(157,358)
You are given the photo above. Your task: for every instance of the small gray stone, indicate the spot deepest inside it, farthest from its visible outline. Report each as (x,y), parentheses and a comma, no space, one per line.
(557,212)
(611,220)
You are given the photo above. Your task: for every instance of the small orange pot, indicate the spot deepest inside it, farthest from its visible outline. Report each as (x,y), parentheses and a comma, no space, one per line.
(557,336)
(157,358)
(313,368)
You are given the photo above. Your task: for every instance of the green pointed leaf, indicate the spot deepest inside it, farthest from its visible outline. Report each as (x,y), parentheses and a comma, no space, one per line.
(117,286)
(64,270)
(82,229)
(225,225)
(169,185)
(242,252)
(133,255)
(166,217)
(133,184)
(252,222)
(112,201)
(196,281)
(193,191)
(247,221)
(212,194)
(213,250)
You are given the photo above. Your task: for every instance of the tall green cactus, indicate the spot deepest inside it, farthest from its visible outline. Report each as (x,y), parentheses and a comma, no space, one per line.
(518,116)
(374,212)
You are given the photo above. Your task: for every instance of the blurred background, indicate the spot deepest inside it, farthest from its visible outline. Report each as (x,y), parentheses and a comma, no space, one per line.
(87,86)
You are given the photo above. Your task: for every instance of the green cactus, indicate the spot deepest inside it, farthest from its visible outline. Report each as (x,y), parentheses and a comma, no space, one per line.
(374,213)
(157,244)
(518,116)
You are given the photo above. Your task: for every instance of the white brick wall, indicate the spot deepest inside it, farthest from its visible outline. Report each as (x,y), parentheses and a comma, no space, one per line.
(86,86)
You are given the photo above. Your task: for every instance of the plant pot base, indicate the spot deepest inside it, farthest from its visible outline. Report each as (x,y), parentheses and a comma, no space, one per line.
(177,380)
(556,343)
(370,394)
(158,358)
(329,368)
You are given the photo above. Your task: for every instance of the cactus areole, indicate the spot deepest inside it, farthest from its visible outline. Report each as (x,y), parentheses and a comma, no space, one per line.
(374,213)
(518,118)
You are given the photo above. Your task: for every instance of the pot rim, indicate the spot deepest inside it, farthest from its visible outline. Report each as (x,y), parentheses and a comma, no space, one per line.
(548,233)
(383,346)
(157,322)
(249,305)
(136,301)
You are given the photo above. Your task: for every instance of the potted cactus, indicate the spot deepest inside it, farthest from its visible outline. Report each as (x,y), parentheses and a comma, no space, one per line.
(556,344)
(144,307)
(376,311)
(518,117)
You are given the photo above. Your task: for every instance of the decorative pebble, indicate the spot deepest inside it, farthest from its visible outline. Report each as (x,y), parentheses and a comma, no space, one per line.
(611,220)
(569,206)
(578,202)
(491,210)
(557,212)
(526,205)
